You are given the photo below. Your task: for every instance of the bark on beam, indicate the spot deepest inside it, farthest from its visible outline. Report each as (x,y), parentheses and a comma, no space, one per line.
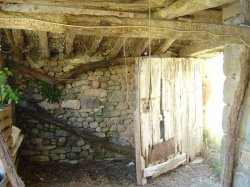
(44,44)
(184,7)
(125,27)
(233,120)
(69,41)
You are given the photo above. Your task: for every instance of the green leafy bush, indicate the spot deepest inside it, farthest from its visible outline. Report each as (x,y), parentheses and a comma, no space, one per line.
(7,94)
(49,92)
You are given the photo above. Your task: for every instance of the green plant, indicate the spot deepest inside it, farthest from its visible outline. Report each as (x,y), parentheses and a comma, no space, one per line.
(49,92)
(7,94)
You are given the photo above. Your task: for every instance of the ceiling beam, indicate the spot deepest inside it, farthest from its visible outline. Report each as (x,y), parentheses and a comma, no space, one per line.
(184,7)
(125,27)
(117,47)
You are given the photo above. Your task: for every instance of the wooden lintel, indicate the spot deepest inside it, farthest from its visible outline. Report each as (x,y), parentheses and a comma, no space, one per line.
(117,47)
(32,72)
(96,43)
(44,44)
(69,41)
(184,7)
(164,47)
(126,27)
(198,49)
(141,46)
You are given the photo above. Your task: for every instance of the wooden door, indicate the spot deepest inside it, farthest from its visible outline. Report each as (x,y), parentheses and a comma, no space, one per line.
(168,128)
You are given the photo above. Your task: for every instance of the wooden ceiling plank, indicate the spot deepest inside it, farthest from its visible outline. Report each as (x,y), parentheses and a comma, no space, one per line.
(95,45)
(142,45)
(164,47)
(127,27)
(184,7)
(117,47)
(69,47)
(44,44)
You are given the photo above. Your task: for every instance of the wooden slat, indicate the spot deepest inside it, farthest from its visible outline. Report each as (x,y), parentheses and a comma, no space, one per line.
(17,146)
(96,43)
(164,47)
(127,27)
(44,44)
(117,47)
(69,41)
(159,169)
(6,112)
(5,123)
(183,7)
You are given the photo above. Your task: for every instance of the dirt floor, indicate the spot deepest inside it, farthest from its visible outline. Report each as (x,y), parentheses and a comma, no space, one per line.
(113,174)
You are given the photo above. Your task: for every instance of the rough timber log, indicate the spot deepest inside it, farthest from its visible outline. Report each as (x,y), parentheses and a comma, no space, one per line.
(184,7)
(41,114)
(125,27)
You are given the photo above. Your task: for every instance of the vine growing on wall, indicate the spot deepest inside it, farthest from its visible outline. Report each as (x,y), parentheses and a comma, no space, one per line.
(49,92)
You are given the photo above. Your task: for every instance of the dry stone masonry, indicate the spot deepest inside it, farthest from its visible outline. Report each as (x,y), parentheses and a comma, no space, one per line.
(101,102)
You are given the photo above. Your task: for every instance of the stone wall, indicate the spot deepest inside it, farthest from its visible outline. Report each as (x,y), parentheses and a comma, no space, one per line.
(232,71)
(101,102)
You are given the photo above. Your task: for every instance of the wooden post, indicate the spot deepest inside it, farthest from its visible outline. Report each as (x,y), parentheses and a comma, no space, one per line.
(69,41)
(8,164)
(234,120)
(44,44)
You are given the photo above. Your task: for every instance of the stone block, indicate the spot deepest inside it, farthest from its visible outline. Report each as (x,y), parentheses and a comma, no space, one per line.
(76,149)
(96,92)
(80,143)
(90,119)
(241,178)
(62,133)
(100,134)
(49,147)
(230,86)
(49,106)
(27,152)
(245,159)
(98,73)
(111,113)
(40,158)
(95,84)
(80,83)
(116,97)
(72,104)
(84,154)
(36,141)
(121,106)
(90,102)
(121,128)
(60,150)
(72,156)
(54,157)
(94,124)
(47,135)
(225,115)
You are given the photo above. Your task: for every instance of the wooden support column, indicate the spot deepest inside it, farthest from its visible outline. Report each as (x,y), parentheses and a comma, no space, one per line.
(11,40)
(96,43)
(69,41)
(164,47)
(117,47)
(44,44)
(234,120)
(141,46)
(8,164)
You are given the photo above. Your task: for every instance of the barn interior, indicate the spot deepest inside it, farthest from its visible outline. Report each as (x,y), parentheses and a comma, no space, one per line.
(138,91)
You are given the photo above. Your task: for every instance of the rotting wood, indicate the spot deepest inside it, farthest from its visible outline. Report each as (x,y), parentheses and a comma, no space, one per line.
(164,47)
(69,41)
(141,46)
(44,44)
(11,40)
(41,114)
(233,120)
(159,169)
(32,72)
(126,27)
(96,43)
(183,7)
(8,164)
(117,47)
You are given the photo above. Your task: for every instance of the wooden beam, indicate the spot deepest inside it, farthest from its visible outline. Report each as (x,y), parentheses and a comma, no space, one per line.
(201,48)
(108,5)
(8,164)
(11,40)
(96,43)
(164,47)
(117,47)
(32,73)
(184,7)
(69,41)
(233,120)
(231,10)
(141,46)
(2,63)
(40,114)
(126,27)
(44,44)
(154,171)
(31,8)
(18,38)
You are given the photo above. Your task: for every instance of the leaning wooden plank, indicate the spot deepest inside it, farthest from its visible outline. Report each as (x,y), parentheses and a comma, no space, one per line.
(9,166)
(164,47)
(159,169)
(44,44)
(69,41)
(12,43)
(141,46)
(31,72)
(96,43)
(184,7)
(5,123)
(117,47)
(42,115)
(233,120)
(17,146)
(126,27)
